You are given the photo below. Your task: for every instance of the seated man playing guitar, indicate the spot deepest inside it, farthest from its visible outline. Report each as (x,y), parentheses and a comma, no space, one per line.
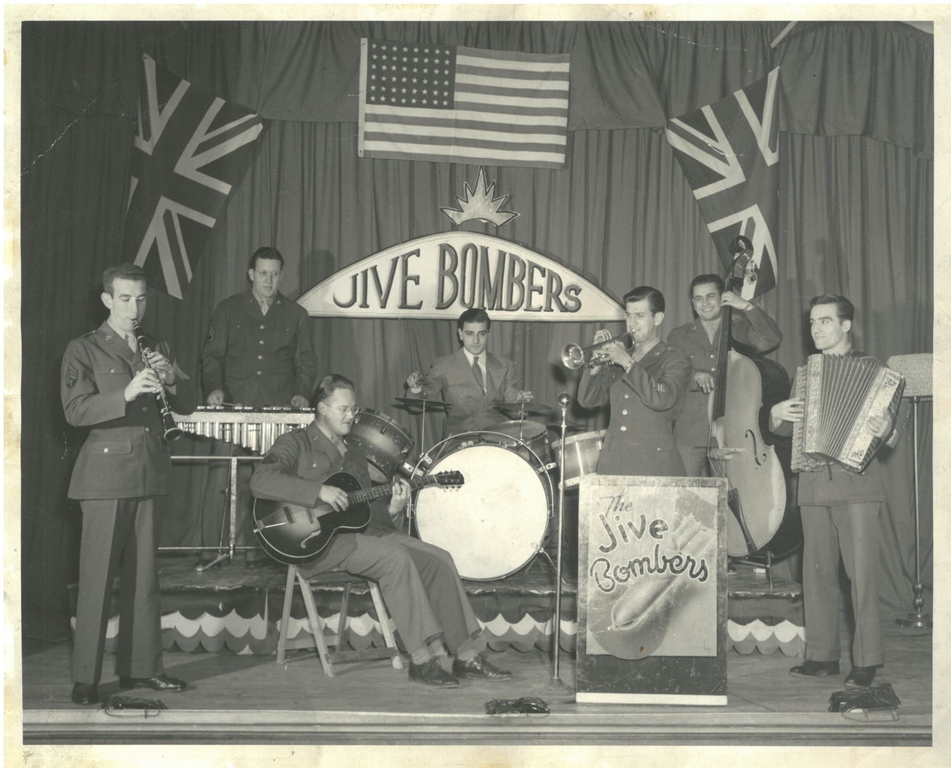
(419,582)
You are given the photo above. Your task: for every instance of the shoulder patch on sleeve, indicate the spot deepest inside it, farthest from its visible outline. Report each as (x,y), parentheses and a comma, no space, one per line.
(72,376)
(211,333)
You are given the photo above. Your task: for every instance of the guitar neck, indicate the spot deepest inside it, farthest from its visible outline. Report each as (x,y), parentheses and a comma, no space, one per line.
(383,491)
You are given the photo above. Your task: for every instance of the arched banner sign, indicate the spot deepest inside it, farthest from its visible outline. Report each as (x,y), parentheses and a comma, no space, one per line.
(442,275)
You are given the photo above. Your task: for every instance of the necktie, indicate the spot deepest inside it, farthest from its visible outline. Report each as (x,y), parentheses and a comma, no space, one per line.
(477,372)
(130,340)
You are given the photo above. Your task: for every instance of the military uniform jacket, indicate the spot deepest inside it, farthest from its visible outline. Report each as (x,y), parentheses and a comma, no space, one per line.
(752,328)
(294,470)
(833,484)
(471,408)
(644,401)
(258,359)
(125,455)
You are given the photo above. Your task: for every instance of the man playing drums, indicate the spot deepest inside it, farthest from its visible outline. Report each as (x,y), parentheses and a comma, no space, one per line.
(470,380)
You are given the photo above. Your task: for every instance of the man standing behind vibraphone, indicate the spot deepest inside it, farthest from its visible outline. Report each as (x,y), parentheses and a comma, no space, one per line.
(840,515)
(258,353)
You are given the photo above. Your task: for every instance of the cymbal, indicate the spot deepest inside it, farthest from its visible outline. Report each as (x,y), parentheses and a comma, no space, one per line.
(421,401)
(529,409)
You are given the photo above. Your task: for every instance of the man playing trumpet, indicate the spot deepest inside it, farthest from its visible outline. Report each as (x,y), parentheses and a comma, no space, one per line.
(644,386)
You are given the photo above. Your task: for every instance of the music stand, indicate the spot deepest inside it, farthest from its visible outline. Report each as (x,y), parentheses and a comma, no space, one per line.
(917,370)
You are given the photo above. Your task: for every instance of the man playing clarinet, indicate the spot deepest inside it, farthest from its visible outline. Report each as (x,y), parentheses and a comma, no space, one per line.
(840,518)
(123,465)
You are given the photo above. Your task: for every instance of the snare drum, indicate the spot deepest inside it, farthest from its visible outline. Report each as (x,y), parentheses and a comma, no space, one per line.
(581,455)
(496,522)
(385,443)
(532,433)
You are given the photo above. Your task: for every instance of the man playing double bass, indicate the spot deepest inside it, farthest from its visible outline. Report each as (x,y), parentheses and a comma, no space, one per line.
(750,327)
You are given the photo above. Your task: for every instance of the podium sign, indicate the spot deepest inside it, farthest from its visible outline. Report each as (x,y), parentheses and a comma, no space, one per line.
(652,590)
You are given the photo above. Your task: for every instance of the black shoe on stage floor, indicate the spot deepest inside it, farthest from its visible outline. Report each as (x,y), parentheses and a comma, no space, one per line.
(860,677)
(157,683)
(815,669)
(85,693)
(431,673)
(479,668)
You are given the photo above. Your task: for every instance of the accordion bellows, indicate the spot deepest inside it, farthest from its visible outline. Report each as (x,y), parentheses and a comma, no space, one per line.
(839,395)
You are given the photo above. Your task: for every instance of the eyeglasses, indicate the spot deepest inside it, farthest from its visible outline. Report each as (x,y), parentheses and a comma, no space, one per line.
(353,409)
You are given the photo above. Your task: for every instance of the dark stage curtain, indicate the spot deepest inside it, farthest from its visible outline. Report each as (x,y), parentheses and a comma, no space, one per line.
(856,219)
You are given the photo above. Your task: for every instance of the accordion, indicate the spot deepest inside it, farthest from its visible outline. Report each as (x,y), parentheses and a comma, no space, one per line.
(839,394)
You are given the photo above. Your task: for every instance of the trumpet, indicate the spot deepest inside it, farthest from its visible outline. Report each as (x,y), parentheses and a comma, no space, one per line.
(574,356)
(172,430)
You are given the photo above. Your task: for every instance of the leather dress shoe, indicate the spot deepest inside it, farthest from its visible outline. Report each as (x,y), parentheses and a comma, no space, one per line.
(860,677)
(85,693)
(815,669)
(431,673)
(158,683)
(479,668)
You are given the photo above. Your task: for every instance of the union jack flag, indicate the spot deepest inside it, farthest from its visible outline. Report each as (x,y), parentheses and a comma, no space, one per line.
(729,152)
(191,149)
(453,104)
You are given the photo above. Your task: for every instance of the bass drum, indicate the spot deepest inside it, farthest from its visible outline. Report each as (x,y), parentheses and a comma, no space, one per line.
(496,522)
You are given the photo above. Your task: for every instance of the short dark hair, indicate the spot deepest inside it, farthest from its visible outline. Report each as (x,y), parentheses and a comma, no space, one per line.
(710,279)
(655,299)
(843,307)
(124,271)
(266,252)
(474,315)
(330,384)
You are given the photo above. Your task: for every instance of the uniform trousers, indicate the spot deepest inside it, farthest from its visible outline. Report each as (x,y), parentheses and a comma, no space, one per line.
(420,586)
(114,530)
(695,460)
(851,530)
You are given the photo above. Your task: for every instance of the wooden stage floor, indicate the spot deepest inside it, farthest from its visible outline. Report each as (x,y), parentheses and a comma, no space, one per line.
(249,699)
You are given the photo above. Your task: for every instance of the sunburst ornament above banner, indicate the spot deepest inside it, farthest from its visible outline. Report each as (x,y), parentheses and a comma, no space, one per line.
(479,204)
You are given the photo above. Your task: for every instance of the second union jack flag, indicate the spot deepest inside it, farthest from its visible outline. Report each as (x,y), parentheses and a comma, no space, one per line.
(729,152)
(191,150)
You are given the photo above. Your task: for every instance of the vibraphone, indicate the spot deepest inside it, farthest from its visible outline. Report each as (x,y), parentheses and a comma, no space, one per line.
(253,429)
(256,430)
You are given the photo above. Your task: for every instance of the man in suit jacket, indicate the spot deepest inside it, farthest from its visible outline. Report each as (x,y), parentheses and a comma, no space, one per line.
(840,519)
(751,327)
(644,387)
(258,353)
(123,465)
(470,380)
(419,582)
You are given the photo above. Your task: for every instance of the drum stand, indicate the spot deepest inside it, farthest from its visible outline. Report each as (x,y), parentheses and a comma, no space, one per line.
(563,400)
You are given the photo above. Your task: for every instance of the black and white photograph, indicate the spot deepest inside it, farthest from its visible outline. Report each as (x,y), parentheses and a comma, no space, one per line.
(473,385)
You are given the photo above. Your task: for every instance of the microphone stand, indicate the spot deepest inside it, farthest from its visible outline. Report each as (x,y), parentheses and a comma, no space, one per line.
(563,400)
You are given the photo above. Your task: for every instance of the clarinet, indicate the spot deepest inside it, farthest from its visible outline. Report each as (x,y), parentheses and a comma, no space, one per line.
(172,430)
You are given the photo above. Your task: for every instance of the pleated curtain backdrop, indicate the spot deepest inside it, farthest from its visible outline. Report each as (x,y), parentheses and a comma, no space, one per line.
(855,219)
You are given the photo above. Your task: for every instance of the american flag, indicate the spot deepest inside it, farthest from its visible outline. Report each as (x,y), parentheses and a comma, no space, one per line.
(191,149)
(452,104)
(729,152)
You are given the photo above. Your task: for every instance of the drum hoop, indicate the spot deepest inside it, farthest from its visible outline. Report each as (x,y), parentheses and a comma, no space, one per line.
(541,464)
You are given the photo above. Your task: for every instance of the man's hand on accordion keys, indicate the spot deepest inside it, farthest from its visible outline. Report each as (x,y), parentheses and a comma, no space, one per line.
(787,410)
(880,426)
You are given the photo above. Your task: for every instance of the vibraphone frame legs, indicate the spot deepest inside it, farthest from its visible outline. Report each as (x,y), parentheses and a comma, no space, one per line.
(232,517)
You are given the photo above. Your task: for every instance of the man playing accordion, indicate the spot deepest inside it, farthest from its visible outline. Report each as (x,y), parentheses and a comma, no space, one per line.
(840,517)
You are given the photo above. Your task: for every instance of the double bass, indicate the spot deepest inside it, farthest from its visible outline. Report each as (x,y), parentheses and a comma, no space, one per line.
(757,468)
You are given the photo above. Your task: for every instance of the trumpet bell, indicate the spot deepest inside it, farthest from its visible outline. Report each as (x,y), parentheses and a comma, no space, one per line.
(572,356)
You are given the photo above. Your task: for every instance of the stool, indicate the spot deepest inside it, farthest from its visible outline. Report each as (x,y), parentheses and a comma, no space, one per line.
(327,658)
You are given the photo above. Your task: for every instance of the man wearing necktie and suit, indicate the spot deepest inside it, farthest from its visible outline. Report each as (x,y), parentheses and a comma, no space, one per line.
(471,379)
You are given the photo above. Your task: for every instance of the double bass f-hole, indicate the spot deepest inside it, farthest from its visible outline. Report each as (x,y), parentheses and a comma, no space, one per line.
(758,456)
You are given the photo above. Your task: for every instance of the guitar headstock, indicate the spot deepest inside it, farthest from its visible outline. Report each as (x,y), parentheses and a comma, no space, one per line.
(451,479)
